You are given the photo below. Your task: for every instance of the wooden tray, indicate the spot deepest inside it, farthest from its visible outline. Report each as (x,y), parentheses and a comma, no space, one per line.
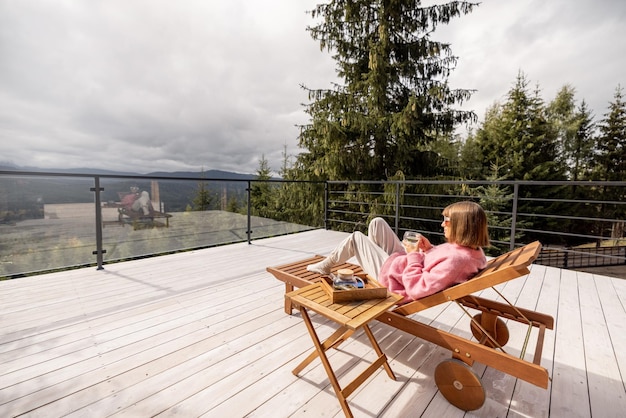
(372,290)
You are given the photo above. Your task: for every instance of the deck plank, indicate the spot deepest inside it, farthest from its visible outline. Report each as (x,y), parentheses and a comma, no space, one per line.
(522,293)
(196,334)
(529,400)
(570,395)
(614,308)
(606,389)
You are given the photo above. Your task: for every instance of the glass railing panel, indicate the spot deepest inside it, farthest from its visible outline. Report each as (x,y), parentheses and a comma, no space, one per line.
(154,216)
(46,223)
(188,214)
(279,208)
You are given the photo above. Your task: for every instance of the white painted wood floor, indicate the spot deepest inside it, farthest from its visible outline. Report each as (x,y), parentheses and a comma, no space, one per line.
(203,333)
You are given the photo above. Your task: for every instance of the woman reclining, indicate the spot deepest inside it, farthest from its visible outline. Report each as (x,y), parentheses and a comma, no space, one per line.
(416,271)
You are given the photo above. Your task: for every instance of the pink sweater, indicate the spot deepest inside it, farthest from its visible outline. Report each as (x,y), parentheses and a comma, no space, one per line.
(418,274)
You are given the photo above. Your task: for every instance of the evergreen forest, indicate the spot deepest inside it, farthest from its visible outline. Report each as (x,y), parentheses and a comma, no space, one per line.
(396,117)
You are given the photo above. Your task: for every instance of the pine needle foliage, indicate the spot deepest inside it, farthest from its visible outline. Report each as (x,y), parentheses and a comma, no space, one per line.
(393,97)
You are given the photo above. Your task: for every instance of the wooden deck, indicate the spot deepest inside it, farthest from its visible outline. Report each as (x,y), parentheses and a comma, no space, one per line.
(203,333)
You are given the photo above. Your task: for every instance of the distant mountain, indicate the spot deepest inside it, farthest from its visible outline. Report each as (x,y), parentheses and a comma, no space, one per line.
(176,195)
(8,166)
(208,174)
(92,171)
(89,171)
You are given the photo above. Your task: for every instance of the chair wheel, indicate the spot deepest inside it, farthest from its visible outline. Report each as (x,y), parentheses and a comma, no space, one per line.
(458,383)
(496,328)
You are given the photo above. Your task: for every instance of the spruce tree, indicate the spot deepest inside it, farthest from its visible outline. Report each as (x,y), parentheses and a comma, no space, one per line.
(517,137)
(470,167)
(561,113)
(579,153)
(395,97)
(202,198)
(581,150)
(611,160)
(262,194)
(611,157)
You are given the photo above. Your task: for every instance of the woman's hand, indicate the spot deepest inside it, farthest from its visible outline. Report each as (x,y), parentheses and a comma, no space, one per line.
(423,244)
(412,248)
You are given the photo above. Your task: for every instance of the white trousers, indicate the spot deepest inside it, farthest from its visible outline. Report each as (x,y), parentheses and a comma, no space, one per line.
(142,203)
(371,250)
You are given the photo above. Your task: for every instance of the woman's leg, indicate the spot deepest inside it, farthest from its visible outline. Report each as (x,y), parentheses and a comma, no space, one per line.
(368,255)
(382,235)
(370,251)
(142,203)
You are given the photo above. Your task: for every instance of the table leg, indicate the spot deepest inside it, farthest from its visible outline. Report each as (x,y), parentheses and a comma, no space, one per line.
(379,352)
(333,341)
(329,370)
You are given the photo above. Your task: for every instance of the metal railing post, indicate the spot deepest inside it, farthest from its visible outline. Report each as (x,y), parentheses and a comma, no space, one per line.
(98,202)
(249,229)
(397,208)
(514,215)
(326,192)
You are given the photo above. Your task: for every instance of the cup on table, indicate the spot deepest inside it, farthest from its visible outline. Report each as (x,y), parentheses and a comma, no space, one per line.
(411,239)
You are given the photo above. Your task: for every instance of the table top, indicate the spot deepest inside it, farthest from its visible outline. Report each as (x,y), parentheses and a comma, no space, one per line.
(351,314)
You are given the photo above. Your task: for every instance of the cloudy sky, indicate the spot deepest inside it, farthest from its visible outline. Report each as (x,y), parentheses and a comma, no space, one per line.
(162,85)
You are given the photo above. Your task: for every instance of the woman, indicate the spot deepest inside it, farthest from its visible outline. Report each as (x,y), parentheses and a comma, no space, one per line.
(423,269)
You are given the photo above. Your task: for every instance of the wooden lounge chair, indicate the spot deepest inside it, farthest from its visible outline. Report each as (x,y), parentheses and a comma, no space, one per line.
(454,377)
(137,219)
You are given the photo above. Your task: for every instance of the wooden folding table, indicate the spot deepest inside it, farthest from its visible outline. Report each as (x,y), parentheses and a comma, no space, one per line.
(350,316)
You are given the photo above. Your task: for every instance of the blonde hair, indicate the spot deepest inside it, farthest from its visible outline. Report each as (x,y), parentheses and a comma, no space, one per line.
(468,224)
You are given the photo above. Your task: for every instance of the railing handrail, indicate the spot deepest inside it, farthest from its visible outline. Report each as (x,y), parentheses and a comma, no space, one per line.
(151,177)
(497,182)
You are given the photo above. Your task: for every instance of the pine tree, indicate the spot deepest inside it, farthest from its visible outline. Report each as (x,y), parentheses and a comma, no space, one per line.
(470,167)
(202,199)
(581,150)
(561,113)
(496,200)
(611,157)
(517,137)
(299,202)
(261,193)
(395,98)
(233,205)
(487,147)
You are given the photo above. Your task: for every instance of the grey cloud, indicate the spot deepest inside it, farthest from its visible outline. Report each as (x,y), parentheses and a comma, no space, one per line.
(157,85)
(553,43)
